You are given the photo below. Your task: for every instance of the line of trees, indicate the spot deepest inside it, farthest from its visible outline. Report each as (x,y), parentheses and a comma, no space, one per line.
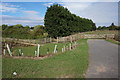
(23,32)
(59,21)
(111,27)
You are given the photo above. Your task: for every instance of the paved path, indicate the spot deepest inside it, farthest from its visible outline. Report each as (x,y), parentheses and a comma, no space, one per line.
(103,57)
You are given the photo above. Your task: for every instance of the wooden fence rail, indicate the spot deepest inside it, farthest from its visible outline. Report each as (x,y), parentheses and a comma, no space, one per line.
(70,38)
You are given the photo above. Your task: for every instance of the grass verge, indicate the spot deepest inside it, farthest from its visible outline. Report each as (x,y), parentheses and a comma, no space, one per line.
(113,41)
(71,64)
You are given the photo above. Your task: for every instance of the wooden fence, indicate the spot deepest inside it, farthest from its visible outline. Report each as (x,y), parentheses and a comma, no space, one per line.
(70,38)
(117,37)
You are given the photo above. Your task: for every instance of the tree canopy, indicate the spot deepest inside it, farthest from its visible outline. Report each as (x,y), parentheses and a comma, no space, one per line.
(23,32)
(59,21)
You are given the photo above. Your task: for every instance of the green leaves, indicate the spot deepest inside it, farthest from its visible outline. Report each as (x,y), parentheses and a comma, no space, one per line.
(59,22)
(23,32)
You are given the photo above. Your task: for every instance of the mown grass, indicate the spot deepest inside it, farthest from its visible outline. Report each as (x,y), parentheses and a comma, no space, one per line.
(71,64)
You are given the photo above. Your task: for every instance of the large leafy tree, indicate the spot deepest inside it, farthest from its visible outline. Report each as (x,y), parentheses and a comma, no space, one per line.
(55,21)
(59,21)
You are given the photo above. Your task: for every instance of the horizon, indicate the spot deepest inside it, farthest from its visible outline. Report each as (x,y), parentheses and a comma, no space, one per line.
(32,13)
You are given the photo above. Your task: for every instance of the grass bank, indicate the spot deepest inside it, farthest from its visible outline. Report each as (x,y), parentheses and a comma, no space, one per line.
(71,64)
(113,41)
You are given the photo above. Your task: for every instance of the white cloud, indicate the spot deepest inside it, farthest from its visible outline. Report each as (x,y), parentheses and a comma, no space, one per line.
(76,7)
(31,12)
(29,17)
(5,7)
(48,4)
(102,13)
(12,20)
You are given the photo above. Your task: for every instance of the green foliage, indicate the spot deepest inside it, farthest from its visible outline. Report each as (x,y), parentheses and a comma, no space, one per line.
(59,21)
(38,31)
(16,31)
(111,27)
(4,26)
(114,27)
(102,28)
(22,32)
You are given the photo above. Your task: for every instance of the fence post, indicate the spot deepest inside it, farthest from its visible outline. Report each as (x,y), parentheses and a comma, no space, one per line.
(4,51)
(62,50)
(57,40)
(71,39)
(64,39)
(9,50)
(20,51)
(38,53)
(50,39)
(55,48)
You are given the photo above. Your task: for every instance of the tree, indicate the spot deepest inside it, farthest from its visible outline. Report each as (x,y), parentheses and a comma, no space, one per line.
(38,31)
(16,31)
(112,24)
(59,22)
(112,27)
(4,26)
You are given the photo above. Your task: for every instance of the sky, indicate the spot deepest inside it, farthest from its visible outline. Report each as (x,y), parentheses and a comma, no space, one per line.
(32,13)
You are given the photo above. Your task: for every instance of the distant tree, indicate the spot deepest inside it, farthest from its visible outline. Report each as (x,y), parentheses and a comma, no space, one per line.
(18,26)
(16,31)
(38,31)
(99,28)
(102,28)
(32,28)
(27,26)
(4,26)
(112,27)
(112,24)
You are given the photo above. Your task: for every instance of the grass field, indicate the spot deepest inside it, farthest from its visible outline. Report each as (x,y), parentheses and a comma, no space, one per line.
(30,51)
(71,64)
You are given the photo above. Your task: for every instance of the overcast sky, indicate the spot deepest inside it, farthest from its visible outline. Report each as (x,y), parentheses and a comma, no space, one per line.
(32,13)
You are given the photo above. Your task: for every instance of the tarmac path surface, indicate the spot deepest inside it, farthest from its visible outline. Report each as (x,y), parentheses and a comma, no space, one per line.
(103,59)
